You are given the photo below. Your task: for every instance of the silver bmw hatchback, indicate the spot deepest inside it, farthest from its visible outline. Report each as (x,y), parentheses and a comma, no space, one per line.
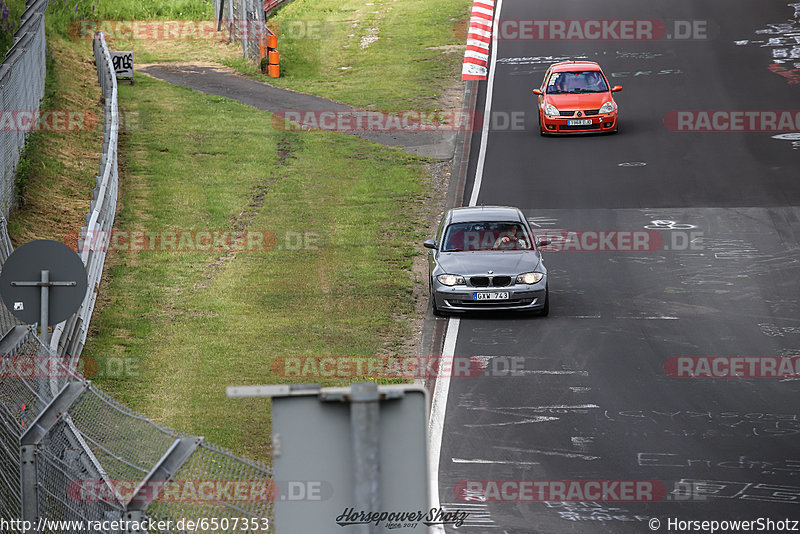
(486,258)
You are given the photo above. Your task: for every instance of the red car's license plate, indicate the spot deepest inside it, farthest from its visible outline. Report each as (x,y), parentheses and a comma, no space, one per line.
(582,122)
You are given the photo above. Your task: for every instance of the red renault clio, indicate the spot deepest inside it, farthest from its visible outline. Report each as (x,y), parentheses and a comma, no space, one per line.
(575,97)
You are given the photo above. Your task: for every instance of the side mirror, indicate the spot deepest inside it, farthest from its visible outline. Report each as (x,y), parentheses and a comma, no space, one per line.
(543,241)
(539,91)
(616,88)
(430,243)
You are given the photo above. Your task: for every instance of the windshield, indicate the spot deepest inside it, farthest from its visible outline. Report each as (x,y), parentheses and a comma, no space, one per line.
(590,81)
(475,236)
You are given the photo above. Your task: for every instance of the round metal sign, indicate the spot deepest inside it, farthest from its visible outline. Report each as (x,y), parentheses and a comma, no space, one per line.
(21,275)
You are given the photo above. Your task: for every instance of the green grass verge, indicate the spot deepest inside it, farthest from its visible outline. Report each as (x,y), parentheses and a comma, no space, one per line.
(385,54)
(193,323)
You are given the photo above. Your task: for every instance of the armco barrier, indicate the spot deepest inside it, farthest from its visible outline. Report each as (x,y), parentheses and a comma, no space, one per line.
(245,21)
(66,448)
(21,88)
(70,336)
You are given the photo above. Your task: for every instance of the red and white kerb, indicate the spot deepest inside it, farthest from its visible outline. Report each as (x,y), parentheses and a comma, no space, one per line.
(476,58)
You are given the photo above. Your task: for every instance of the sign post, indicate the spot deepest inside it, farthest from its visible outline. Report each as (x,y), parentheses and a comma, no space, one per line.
(53,297)
(358,455)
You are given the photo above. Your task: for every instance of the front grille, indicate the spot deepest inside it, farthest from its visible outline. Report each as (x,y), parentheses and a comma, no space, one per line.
(486,281)
(586,127)
(566,113)
(591,112)
(501,281)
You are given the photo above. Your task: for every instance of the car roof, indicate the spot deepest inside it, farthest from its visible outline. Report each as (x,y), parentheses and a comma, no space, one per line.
(574,65)
(485,213)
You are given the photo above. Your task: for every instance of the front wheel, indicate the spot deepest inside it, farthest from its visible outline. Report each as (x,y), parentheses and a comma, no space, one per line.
(545,311)
(434,309)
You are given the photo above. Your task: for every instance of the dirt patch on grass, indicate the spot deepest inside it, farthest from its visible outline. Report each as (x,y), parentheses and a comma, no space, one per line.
(244,218)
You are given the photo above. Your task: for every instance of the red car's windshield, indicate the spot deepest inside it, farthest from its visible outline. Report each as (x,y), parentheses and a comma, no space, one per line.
(590,81)
(476,236)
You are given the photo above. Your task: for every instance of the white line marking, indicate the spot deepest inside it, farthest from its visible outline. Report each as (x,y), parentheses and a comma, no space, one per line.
(551,407)
(439,404)
(651,318)
(537,419)
(482,461)
(553,453)
(476,186)
(438,409)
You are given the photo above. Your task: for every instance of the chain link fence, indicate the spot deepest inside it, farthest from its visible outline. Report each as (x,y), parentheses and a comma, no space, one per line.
(69,452)
(21,88)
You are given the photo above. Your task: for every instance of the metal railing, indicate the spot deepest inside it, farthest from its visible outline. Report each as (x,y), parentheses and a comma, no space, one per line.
(68,451)
(245,21)
(21,89)
(69,337)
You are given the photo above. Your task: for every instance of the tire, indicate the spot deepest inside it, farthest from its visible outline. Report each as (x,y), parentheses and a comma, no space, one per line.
(436,311)
(545,311)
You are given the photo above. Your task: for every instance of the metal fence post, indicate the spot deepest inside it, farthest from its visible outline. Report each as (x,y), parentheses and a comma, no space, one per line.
(364,424)
(246,23)
(30,440)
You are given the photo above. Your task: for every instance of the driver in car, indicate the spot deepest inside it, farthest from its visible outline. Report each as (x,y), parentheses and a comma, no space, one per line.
(509,241)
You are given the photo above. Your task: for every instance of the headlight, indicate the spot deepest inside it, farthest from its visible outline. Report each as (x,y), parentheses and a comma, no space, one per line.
(451,279)
(550,109)
(529,278)
(608,107)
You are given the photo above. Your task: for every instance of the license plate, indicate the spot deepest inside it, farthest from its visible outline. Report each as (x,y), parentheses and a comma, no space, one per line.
(490,296)
(581,122)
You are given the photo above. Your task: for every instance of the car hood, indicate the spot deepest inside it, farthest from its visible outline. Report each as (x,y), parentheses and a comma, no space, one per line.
(510,262)
(579,101)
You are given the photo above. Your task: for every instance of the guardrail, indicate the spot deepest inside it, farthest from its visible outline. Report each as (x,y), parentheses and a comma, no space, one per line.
(69,337)
(245,21)
(21,89)
(69,452)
